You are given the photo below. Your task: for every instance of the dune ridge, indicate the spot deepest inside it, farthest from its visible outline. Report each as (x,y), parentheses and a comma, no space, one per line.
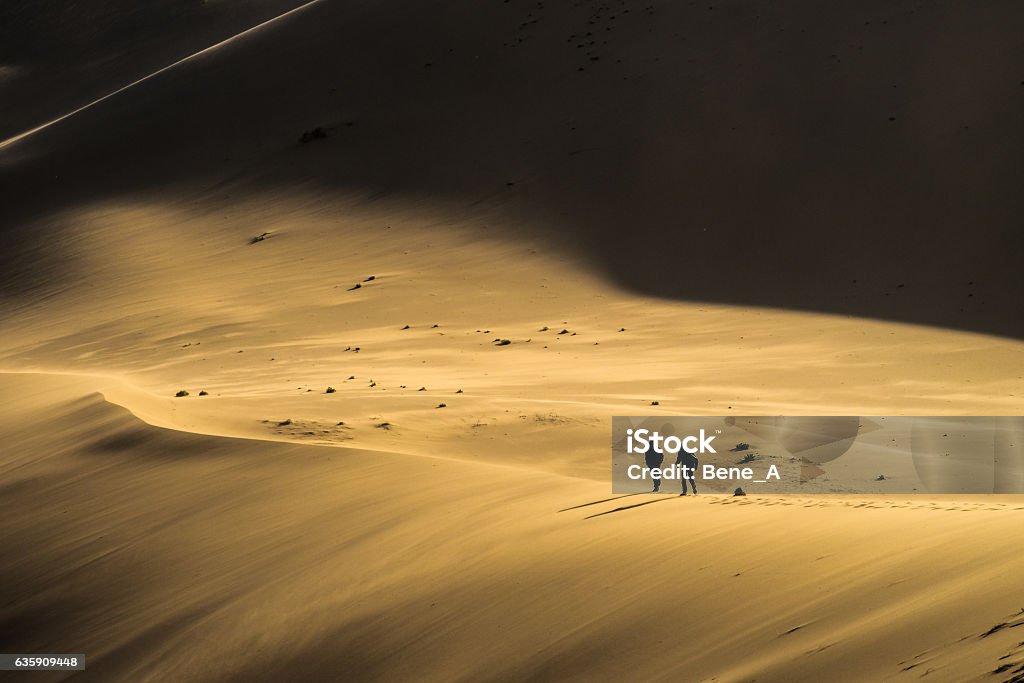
(259,560)
(43,126)
(172,298)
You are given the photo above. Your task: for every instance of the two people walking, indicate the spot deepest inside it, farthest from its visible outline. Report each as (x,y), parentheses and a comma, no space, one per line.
(686,460)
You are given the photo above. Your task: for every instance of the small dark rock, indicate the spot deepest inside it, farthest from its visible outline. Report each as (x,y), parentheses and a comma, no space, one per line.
(317,133)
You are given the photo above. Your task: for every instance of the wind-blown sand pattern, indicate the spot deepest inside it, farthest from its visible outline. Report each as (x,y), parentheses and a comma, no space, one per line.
(402,285)
(166,554)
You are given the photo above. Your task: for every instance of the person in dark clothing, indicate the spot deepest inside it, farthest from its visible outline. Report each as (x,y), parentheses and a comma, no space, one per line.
(689,463)
(653,460)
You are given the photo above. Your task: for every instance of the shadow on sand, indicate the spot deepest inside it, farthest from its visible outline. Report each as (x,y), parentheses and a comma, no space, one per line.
(596,502)
(630,507)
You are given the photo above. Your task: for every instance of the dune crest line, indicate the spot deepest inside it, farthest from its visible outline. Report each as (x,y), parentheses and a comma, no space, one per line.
(32,131)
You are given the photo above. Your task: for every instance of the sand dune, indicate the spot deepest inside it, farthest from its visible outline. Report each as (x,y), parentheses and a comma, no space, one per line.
(172,556)
(171,299)
(311,342)
(732,154)
(57,58)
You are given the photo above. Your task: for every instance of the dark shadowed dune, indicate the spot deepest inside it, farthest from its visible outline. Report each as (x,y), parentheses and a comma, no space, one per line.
(860,160)
(57,56)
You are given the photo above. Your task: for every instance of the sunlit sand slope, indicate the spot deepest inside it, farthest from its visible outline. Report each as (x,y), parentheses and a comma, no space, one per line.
(171,556)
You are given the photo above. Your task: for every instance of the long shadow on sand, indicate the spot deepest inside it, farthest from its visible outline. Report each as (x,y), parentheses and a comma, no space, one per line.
(597,502)
(630,507)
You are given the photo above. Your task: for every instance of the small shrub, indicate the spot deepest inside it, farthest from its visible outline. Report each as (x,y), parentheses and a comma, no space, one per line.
(330,390)
(502,342)
(181,393)
(204,393)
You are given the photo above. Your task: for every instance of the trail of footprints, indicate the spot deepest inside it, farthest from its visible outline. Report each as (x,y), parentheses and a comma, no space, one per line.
(950,506)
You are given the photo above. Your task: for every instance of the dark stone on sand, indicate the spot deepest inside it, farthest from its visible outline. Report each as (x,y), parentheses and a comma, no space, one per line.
(317,133)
